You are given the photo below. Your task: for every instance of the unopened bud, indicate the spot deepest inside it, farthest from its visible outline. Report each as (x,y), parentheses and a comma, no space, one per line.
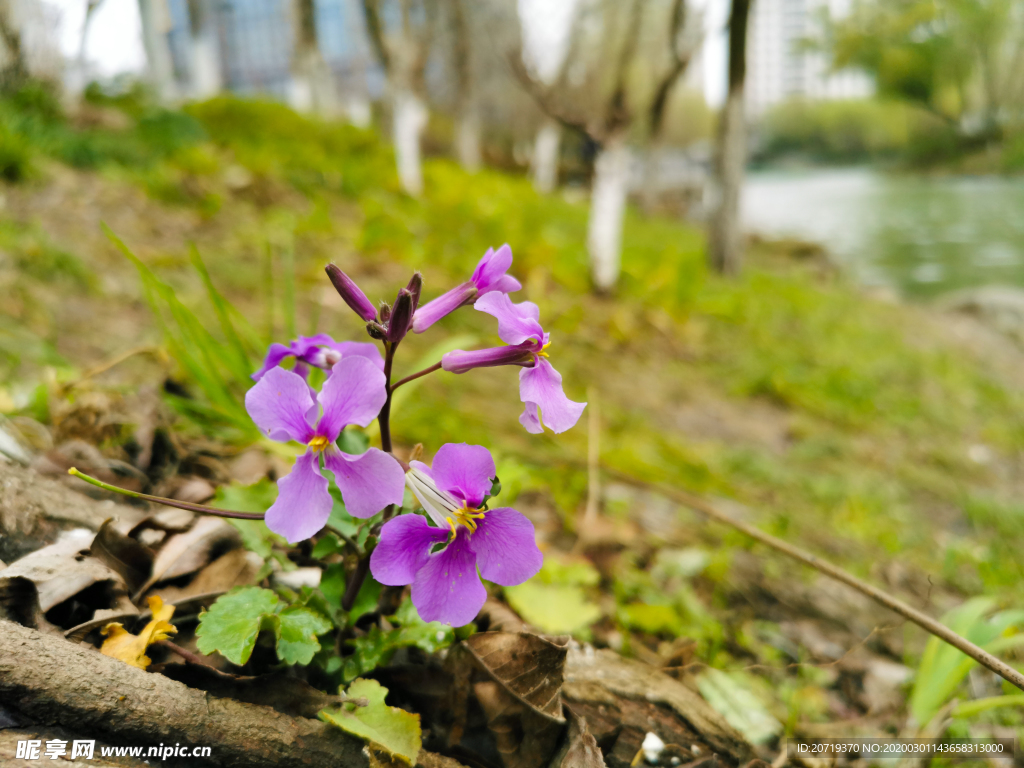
(401,316)
(384,312)
(414,287)
(351,294)
(376,331)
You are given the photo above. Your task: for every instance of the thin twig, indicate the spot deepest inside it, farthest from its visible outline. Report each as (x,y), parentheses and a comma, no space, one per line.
(187,655)
(418,374)
(200,508)
(894,604)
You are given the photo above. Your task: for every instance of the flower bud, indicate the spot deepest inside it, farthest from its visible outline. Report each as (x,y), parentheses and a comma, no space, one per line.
(384,312)
(351,294)
(401,316)
(414,287)
(376,331)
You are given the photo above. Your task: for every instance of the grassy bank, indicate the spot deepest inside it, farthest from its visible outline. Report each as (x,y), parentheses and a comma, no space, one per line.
(859,429)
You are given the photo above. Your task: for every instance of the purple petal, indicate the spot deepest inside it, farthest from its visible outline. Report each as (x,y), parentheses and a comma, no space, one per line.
(443,305)
(530,418)
(278,404)
(403,549)
(353,394)
(303,501)
(275,354)
(465,471)
(542,385)
(460,361)
(505,547)
(516,322)
(448,588)
(489,273)
(368,482)
(359,349)
(506,284)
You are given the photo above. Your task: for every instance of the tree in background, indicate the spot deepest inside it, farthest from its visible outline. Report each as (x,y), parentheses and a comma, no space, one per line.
(312,86)
(962,60)
(725,243)
(204,50)
(156,23)
(467,132)
(614,76)
(401,32)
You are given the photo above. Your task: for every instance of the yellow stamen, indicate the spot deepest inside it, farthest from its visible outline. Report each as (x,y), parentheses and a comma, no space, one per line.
(466,516)
(542,353)
(319,443)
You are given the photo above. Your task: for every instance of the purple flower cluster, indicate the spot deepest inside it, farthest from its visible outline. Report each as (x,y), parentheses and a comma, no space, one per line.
(444,554)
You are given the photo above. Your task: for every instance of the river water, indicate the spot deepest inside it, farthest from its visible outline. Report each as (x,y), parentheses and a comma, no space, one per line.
(920,235)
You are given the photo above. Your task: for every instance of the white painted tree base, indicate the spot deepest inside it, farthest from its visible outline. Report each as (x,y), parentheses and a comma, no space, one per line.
(607,209)
(408,121)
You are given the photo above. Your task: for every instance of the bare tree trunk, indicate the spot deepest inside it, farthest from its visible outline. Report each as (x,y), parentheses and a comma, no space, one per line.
(607,210)
(468,139)
(156,21)
(409,118)
(545,156)
(205,50)
(725,244)
(312,86)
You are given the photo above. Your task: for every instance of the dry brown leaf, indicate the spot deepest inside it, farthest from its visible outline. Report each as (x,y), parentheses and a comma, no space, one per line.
(528,666)
(131,649)
(580,749)
(62,570)
(187,552)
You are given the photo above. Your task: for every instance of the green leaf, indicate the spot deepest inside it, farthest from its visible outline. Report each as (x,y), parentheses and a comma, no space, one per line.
(732,695)
(652,619)
(329,544)
(393,729)
(552,608)
(351,441)
(251,498)
(332,584)
(296,628)
(232,624)
(943,668)
(377,647)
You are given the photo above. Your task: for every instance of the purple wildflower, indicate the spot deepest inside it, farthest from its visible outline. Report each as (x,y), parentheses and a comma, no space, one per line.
(282,407)
(499,542)
(540,385)
(320,351)
(488,277)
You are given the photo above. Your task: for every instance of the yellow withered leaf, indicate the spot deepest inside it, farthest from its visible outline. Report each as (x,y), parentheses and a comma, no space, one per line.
(131,649)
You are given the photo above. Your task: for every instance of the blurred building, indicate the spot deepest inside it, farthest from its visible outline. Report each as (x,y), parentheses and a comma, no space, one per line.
(781,64)
(255,45)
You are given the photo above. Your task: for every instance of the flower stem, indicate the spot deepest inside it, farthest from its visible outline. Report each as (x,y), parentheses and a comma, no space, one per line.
(413,377)
(355,583)
(201,508)
(384,418)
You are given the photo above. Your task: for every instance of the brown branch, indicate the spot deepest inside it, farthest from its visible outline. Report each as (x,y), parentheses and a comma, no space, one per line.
(544,99)
(52,680)
(617,115)
(680,61)
(375,31)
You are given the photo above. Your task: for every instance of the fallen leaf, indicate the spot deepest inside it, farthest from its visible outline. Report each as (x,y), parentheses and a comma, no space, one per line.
(393,729)
(187,552)
(580,749)
(528,666)
(62,570)
(123,554)
(131,649)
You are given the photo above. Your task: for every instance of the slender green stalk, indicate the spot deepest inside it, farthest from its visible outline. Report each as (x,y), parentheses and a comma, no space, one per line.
(200,508)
